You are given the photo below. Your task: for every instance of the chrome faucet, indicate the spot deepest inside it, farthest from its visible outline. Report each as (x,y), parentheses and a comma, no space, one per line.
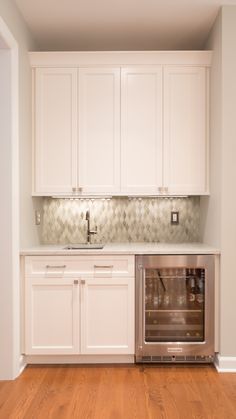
(89,232)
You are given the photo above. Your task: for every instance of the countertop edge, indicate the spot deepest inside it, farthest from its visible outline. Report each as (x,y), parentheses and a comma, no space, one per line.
(121,249)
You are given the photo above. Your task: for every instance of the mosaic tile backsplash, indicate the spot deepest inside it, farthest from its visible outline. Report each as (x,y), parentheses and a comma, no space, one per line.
(121,220)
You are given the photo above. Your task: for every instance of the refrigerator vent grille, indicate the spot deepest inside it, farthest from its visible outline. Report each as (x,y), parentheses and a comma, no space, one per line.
(175,359)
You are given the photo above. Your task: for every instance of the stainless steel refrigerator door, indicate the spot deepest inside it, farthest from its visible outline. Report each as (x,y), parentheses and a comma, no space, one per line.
(175,351)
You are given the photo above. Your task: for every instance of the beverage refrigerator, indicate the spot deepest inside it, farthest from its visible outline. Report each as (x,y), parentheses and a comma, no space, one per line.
(174,308)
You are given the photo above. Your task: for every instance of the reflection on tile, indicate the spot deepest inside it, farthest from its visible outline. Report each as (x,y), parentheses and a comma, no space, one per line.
(121,220)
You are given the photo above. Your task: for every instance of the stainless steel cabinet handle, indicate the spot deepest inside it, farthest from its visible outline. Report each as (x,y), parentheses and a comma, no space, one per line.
(103,266)
(82,281)
(55,266)
(76,190)
(76,281)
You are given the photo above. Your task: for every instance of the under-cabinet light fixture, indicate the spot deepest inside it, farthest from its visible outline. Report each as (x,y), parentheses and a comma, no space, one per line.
(81,198)
(157,196)
(84,198)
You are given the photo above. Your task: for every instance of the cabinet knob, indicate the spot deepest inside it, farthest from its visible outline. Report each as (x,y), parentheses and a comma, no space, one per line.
(82,281)
(76,281)
(160,189)
(74,189)
(79,189)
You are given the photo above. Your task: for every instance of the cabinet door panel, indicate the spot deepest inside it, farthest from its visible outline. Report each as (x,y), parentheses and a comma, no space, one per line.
(141,130)
(55,130)
(107,317)
(52,316)
(99,130)
(185,130)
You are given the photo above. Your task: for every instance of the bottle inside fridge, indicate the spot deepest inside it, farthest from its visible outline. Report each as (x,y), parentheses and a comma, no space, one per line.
(174,304)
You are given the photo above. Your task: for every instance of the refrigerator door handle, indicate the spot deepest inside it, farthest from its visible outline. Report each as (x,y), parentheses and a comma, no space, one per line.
(141,306)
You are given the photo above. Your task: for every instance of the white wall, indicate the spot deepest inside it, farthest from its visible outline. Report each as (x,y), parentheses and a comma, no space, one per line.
(228,179)
(6,271)
(12,137)
(211,206)
(218,211)
(10,14)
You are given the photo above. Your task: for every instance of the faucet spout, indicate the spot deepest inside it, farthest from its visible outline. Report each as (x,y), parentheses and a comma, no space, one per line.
(89,232)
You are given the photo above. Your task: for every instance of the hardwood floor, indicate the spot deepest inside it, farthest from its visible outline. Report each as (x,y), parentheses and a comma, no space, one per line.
(119,392)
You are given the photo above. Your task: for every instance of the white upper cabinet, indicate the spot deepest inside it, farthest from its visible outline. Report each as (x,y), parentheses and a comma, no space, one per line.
(55,131)
(99,130)
(141,130)
(121,123)
(185,130)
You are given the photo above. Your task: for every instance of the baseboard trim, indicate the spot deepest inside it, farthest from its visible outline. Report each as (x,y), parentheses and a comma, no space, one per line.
(79,359)
(22,364)
(225,363)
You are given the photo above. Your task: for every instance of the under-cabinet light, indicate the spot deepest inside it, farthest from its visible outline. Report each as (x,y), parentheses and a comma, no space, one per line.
(80,198)
(156,196)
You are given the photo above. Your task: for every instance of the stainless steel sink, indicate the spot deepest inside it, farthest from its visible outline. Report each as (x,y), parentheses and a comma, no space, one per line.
(83,246)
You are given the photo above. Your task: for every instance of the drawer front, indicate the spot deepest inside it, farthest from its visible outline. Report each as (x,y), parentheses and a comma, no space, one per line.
(95,266)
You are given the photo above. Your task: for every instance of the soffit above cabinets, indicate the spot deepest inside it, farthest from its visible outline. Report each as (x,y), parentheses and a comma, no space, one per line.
(119,58)
(120,25)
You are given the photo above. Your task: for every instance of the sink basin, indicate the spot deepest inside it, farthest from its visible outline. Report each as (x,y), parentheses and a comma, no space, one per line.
(83,246)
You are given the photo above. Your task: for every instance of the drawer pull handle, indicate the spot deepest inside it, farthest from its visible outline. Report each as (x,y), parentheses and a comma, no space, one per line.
(103,266)
(75,190)
(55,266)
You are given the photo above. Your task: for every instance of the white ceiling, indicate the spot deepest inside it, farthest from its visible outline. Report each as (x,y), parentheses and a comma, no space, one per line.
(120,24)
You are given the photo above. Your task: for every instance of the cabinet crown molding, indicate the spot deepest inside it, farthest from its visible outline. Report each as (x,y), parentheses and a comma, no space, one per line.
(119,58)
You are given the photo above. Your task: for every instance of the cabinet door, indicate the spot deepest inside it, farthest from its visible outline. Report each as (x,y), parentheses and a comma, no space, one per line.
(107,316)
(141,130)
(99,130)
(55,131)
(185,130)
(51,316)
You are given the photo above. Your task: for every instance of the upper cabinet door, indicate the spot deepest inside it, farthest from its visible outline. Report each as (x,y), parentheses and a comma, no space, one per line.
(99,130)
(55,130)
(185,130)
(141,130)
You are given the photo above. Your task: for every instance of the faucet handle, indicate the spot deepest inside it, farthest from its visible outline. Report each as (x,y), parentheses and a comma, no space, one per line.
(94,231)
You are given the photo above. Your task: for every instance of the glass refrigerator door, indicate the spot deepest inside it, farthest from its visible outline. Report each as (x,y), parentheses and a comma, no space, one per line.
(174,305)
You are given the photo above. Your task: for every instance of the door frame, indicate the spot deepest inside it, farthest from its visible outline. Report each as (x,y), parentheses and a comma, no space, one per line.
(10,285)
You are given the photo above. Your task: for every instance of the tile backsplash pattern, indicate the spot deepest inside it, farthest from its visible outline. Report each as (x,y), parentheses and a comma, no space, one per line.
(121,220)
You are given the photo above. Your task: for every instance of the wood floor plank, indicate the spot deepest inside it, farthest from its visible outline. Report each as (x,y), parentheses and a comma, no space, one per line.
(119,392)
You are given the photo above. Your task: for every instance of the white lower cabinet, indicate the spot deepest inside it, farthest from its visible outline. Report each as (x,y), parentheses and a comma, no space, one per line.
(52,316)
(107,316)
(79,314)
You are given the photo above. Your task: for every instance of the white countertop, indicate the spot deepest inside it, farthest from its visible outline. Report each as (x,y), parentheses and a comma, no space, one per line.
(125,248)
